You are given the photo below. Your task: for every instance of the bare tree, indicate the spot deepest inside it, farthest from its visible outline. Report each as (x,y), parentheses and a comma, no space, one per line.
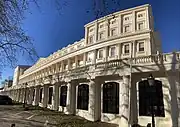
(13,39)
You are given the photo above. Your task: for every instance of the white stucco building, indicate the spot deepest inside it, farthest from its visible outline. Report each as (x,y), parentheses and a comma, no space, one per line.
(103,76)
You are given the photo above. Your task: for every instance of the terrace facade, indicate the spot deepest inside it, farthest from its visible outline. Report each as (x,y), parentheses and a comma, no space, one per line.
(103,76)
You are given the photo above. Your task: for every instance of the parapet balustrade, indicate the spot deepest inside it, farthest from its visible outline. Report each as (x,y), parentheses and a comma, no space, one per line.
(145,60)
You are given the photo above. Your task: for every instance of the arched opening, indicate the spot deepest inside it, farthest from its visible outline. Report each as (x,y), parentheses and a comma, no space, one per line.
(83,97)
(147,99)
(111,98)
(63,96)
(50,92)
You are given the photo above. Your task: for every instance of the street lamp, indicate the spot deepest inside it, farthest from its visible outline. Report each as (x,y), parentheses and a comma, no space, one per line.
(151,82)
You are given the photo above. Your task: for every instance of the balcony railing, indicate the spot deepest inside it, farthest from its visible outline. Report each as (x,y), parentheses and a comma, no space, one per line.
(145,60)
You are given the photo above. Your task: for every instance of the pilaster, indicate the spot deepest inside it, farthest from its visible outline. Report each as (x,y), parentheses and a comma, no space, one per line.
(124,103)
(36,96)
(71,97)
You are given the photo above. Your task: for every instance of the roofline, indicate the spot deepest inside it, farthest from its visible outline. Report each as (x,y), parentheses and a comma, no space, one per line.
(121,11)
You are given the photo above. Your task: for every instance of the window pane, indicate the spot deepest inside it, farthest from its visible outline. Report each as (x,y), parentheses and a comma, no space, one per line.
(83,97)
(151,97)
(112,51)
(126,49)
(50,95)
(140,26)
(41,92)
(141,46)
(63,96)
(100,54)
(111,98)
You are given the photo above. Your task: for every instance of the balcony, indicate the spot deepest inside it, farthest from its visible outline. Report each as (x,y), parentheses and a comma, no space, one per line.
(100,60)
(112,57)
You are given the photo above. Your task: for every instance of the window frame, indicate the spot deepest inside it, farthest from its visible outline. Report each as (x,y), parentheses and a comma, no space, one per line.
(113,31)
(139,42)
(124,48)
(110,51)
(50,97)
(143,26)
(91,39)
(99,53)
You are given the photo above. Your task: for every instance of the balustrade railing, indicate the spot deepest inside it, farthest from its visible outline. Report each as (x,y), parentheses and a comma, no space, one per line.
(153,59)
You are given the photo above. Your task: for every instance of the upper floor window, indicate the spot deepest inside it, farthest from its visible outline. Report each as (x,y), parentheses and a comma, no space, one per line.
(101,26)
(100,53)
(90,30)
(126,28)
(151,97)
(91,39)
(141,46)
(140,15)
(126,48)
(126,18)
(113,31)
(113,21)
(140,26)
(101,35)
(112,51)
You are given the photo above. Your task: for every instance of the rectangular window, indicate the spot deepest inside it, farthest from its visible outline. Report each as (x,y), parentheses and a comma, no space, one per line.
(126,28)
(50,95)
(140,26)
(101,35)
(151,99)
(100,53)
(141,46)
(113,32)
(91,39)
(126,49)
(112,51)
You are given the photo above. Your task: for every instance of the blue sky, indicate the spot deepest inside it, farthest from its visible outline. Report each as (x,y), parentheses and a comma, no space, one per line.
(52,31)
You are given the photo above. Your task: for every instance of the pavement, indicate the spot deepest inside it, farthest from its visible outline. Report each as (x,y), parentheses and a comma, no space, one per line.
(42,117)
(15,114)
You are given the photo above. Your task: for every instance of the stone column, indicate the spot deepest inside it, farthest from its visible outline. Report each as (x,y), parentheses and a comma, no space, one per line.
(71,97)
(36,96)
(31,89)
(92,105)
(55,98)
(95,55)
(76,61)
(94,100)
(84,59)
(45,95)
(124,102)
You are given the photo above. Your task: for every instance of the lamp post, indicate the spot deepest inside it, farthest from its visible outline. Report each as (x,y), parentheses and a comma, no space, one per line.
(151,83)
